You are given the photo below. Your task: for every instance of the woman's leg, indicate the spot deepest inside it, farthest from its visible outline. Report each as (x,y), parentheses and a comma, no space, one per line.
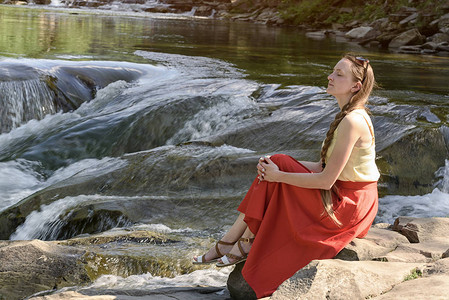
(244,244)
(236,231)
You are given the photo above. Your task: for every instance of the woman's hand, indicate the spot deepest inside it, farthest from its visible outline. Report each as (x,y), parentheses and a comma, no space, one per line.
(267,170)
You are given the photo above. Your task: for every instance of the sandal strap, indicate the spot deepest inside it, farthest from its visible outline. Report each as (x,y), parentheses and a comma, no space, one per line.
(222,243)
(239,243)
(246,240)
(236,257)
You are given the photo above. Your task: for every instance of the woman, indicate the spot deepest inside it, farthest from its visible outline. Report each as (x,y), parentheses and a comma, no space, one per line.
(295,212)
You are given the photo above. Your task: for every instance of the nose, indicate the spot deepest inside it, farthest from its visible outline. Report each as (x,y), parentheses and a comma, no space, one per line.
(330,77)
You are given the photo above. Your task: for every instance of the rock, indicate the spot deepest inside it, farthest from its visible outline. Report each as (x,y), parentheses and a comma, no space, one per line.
(430,45)
(411,36)
(443,23)
(27,267)
(410,49)
(316,35)
(435,287)
(397,17)
(404,254)
(428,51)
(433,249)
(73,296)
(443,46)
(353,23)
(377,243)
(203,11)
(380,24)
(410,19)
(361,33)
(337,279)
(238,288)
(439,38)
(439,267)
(419,178)
(408,10)
(385,38)
(337,26)
(418,230)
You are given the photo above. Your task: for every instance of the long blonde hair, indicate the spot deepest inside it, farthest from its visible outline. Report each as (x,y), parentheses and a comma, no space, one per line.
(363,72)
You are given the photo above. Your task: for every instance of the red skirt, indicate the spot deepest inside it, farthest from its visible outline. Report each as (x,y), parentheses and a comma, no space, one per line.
(291,229)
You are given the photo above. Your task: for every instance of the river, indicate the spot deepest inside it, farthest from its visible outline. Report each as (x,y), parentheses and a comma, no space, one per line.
(86,91)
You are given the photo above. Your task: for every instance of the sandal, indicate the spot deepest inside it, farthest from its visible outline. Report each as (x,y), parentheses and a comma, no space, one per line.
(201,260)
(238,259)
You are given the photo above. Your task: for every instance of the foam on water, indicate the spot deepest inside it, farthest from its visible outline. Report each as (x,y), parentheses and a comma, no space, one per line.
(21,178)
(45,220)
(208,277)
(434,204)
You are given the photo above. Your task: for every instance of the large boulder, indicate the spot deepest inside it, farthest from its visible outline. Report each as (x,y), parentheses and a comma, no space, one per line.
(409,37)
(337,279)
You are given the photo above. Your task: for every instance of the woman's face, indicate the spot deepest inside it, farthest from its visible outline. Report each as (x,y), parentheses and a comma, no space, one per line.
(341,81)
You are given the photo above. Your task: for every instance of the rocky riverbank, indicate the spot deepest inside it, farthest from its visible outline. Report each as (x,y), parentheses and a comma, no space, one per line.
(414,29)
(406,260)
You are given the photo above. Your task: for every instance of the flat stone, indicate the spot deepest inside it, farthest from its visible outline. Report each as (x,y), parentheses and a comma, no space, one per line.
(433,249)
(404,253)
(434,287)
(361,33)
(421,229)
(337,279)
(410,18)
(377,243)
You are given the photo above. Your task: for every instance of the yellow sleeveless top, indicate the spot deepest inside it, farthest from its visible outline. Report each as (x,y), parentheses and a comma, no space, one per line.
(361,165)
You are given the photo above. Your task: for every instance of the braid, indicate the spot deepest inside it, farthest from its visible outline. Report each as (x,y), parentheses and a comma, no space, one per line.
(350,106)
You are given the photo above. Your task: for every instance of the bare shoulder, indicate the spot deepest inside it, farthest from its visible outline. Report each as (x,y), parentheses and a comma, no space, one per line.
(354,120)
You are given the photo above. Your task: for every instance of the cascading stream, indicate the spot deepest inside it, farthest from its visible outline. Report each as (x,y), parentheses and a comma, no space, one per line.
(22,101)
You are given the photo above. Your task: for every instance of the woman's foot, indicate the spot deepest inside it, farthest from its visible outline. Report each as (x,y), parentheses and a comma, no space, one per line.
(238,253)
(221,248)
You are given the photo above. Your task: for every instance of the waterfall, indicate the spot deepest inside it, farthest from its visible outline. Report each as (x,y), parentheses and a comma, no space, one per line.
(22,101)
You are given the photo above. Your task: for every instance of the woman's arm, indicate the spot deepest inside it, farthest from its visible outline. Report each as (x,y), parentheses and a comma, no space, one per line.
(315,167)
(347,136)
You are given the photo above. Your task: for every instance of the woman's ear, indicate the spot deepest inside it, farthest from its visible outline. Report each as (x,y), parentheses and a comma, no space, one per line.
(356,87)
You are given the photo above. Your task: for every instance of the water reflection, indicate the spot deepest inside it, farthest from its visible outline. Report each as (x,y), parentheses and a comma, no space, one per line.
(267,54)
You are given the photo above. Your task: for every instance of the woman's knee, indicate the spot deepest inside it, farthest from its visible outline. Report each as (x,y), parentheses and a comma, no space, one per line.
(287,163)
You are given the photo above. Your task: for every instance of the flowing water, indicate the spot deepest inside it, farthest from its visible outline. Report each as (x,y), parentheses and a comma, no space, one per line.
(87,93)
